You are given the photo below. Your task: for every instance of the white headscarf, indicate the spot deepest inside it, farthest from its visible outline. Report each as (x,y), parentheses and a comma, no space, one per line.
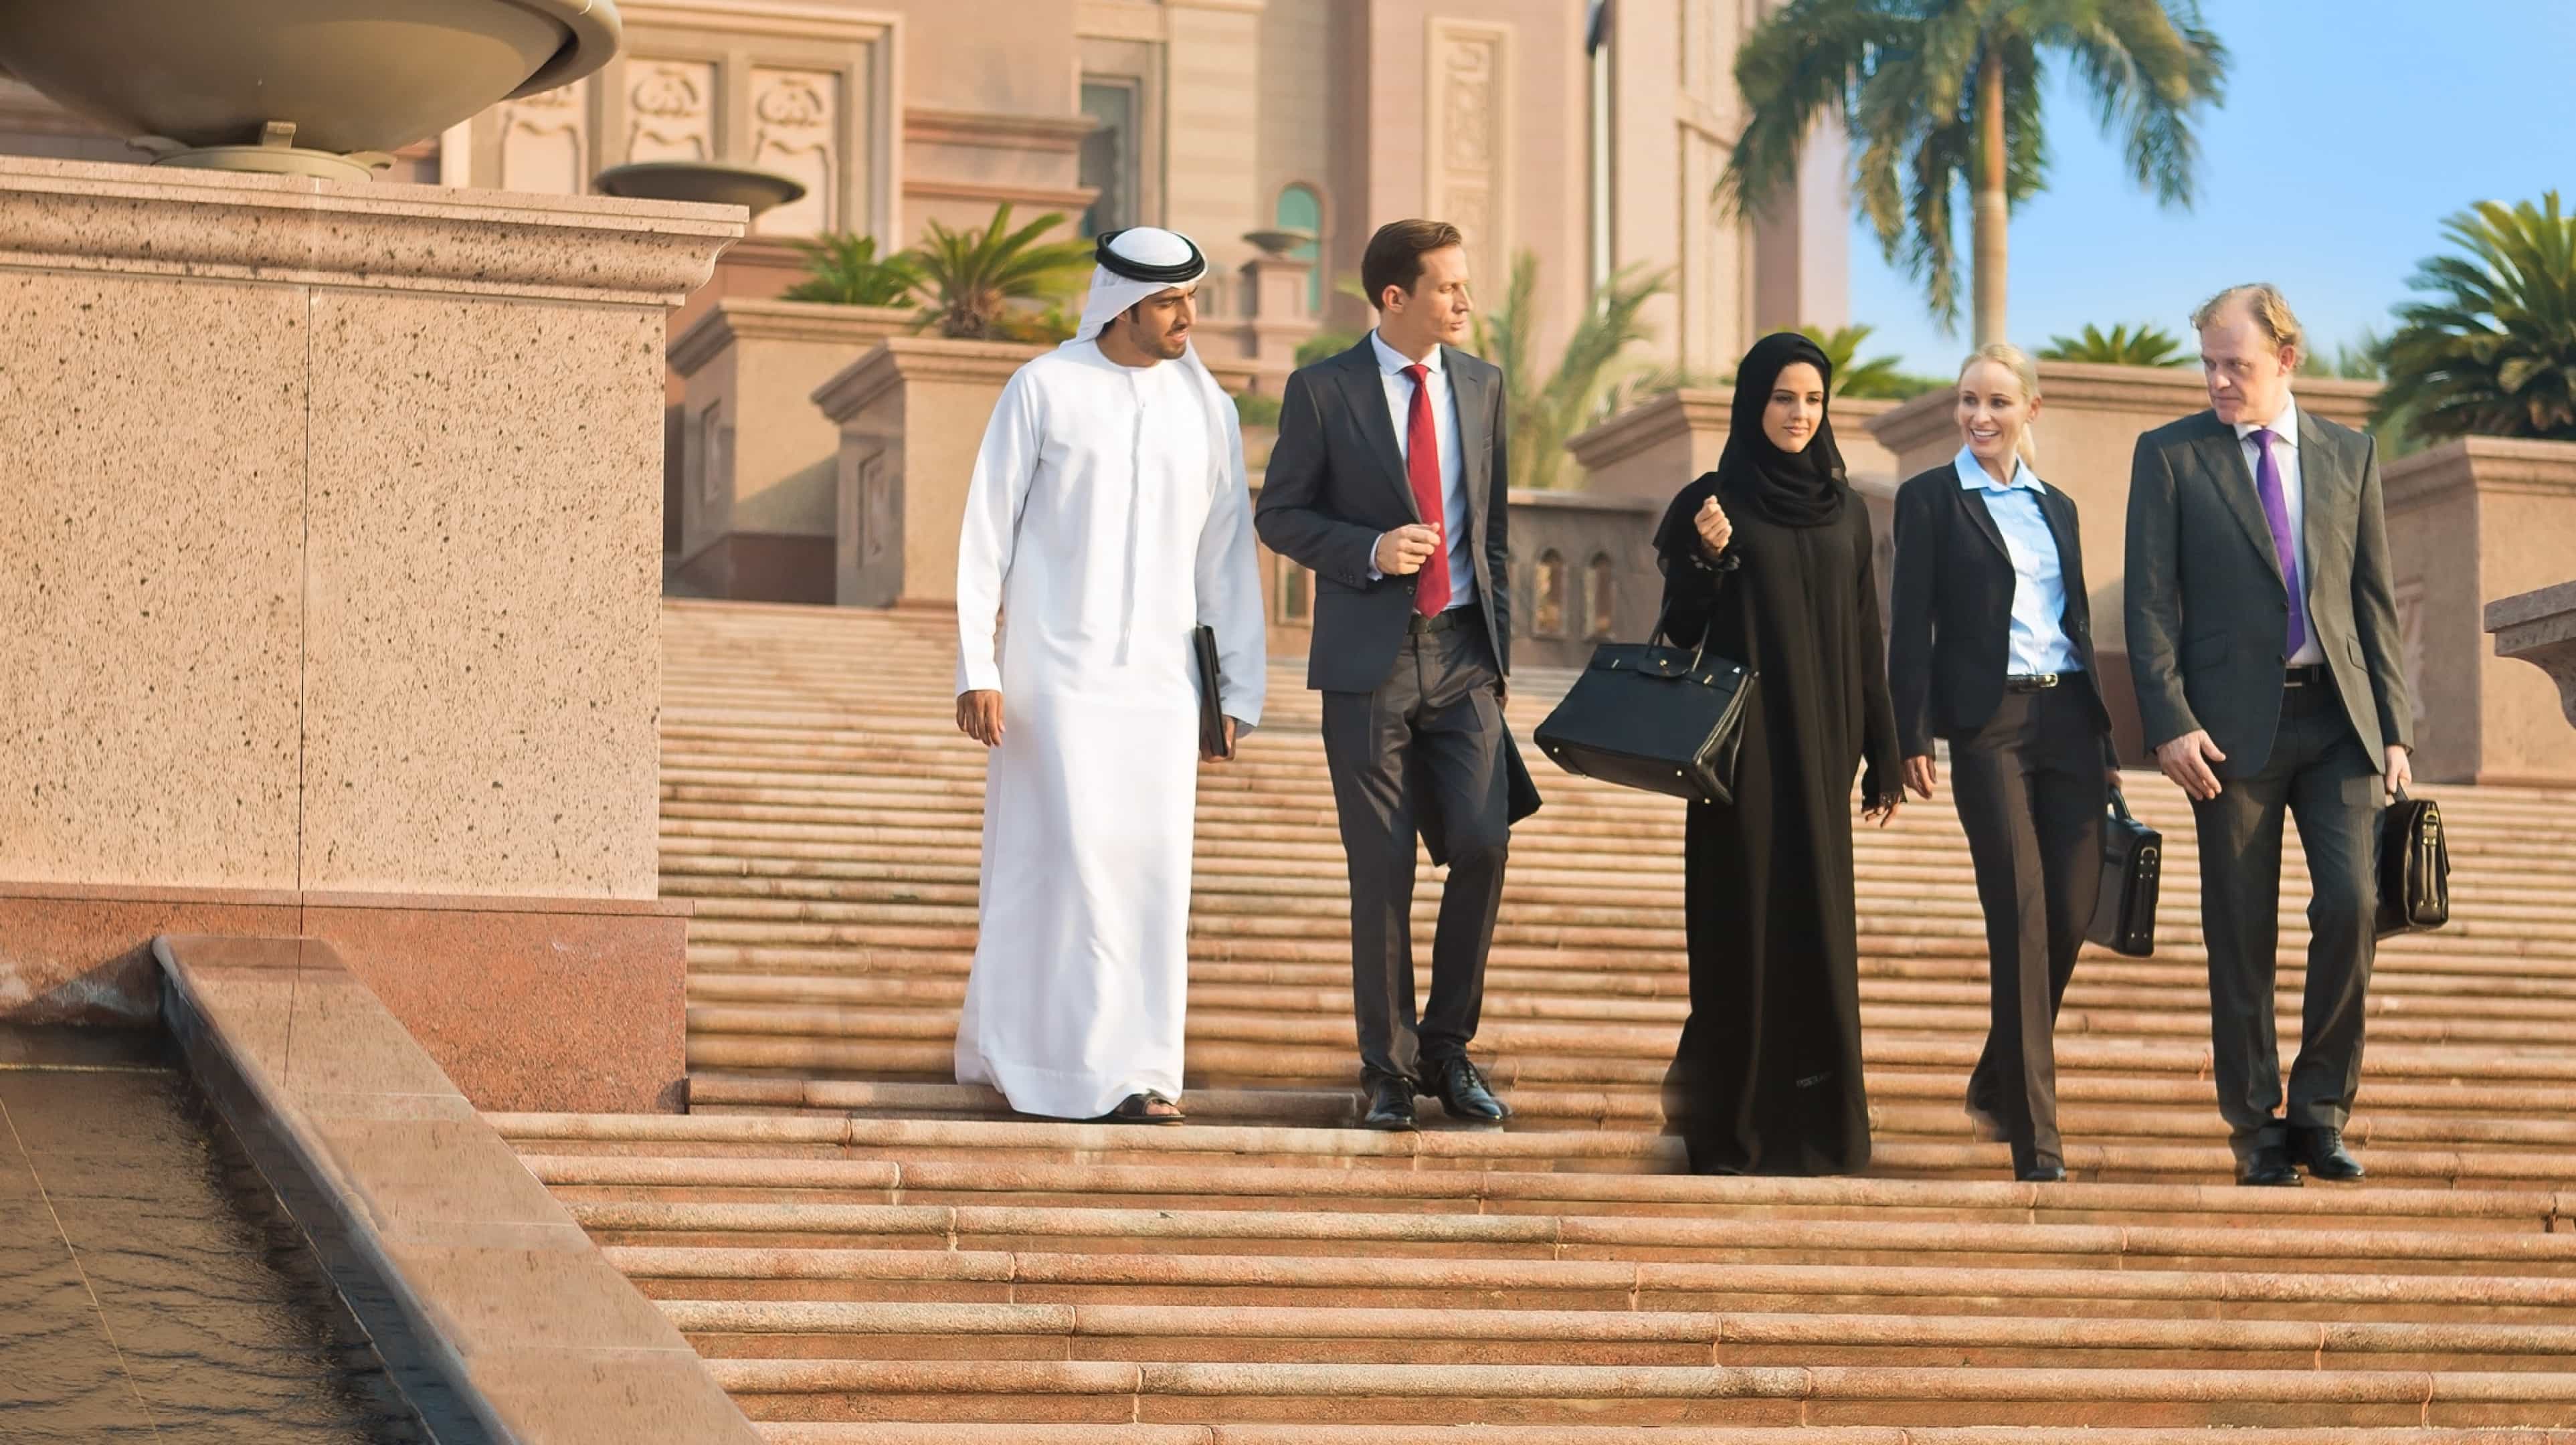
(1170,259)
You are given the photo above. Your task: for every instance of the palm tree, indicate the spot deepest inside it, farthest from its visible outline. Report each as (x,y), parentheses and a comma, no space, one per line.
(973,276)
(1936,94)
(2492,350)
(2146,346)
(845,270)
(1544,414)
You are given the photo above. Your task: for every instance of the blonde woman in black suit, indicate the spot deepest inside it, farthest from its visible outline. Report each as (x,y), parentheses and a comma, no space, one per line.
(1993,651)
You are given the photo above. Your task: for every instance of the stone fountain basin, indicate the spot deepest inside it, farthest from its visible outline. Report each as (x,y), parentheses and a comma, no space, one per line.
(351,75)
(703,181)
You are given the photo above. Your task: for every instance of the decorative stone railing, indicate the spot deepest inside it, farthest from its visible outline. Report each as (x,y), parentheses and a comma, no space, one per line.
(2540,628)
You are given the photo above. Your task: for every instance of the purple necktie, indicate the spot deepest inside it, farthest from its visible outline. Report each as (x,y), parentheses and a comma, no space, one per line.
(2267,481)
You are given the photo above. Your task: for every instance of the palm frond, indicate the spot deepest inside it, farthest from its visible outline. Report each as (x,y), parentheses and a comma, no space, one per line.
(974,276)
(2146,346)
(845,270)
(1902,74)
(2490,349)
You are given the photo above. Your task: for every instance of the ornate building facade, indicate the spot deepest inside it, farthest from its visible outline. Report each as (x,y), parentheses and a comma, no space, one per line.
(1585,132)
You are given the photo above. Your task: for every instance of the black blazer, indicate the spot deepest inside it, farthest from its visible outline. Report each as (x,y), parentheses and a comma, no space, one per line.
(1951,608)
(1336,483)
(2208,611)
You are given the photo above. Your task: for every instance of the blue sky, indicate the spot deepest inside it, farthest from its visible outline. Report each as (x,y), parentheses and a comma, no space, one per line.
(2348,131)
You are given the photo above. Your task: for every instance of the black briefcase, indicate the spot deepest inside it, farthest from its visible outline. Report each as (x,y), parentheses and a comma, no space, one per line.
(1211,705)
(1659,718)
(2414,867)
(2124,915)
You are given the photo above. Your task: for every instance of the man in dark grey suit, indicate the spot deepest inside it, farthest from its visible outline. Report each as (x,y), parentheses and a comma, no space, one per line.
(1388,479)
(2263,641)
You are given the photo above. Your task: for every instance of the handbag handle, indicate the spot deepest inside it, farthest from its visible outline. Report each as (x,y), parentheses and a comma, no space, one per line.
(2120,806)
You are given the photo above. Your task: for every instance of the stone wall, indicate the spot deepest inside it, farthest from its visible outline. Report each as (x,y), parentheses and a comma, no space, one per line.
(339,569)
(758,465)
(911,414)
(2470,521)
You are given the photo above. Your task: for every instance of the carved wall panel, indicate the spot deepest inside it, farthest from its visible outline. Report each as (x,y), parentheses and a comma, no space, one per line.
(545,142)
(795,120)
(671,111)
(1469,141)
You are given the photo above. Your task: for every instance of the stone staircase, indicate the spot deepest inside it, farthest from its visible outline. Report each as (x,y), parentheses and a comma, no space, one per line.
(870,1253)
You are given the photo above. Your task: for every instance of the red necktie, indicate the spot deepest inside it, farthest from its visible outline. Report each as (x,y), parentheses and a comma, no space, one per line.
(1422,469)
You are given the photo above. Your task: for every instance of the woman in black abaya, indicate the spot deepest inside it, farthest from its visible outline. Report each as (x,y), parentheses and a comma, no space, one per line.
(1768,559)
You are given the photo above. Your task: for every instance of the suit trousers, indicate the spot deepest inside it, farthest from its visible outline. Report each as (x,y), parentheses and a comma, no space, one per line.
(1424,750)
(2031,794)
(2319,773)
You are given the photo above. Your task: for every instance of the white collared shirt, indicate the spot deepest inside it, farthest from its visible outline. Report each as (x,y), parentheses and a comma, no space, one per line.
(1459,523)
(2038,642)
(2294,501)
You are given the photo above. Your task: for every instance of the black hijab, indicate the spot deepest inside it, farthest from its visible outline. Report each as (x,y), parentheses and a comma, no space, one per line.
(1787,489)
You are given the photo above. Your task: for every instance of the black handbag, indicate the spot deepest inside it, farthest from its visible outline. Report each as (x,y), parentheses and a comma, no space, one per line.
(2414,867)
(1642,715)
(2124,915)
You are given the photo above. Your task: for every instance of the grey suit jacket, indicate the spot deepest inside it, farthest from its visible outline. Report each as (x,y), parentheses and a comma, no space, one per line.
(2207,609)
(1336,483)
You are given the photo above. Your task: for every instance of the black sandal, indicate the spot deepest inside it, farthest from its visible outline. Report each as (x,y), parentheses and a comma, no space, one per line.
(1139,1109)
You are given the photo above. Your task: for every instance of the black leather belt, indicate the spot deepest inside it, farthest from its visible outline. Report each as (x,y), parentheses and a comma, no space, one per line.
(2031,682)
(1442,623)
(2313,674)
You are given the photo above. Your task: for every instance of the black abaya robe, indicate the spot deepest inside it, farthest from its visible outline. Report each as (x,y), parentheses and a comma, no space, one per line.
(1768,1076)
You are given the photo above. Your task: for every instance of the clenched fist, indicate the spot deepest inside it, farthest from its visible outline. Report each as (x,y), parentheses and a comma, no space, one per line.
(1714,529)
(1402,552)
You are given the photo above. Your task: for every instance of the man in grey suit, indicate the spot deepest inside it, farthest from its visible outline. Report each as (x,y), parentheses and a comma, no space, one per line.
(1388,479)
(2263,641)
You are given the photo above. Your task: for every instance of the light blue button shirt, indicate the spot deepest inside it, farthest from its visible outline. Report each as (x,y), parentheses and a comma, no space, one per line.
(2038,642)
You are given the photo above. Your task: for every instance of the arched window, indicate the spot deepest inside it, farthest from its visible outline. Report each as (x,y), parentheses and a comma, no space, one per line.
(1300,209)
(1548,616)
(1600,599)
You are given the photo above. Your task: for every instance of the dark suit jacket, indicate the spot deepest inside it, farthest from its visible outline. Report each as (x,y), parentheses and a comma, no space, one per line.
(2207,609)
(1951,608)
(1336,484)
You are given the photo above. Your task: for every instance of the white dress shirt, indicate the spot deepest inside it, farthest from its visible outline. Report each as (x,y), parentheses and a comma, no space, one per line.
(2037,642)
(1459,525)
(2294,502)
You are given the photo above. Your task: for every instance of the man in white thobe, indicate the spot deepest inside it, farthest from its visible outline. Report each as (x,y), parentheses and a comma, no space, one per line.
(1108,518)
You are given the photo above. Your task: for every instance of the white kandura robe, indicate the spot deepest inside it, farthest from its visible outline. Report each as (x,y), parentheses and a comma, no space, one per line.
(1105,521)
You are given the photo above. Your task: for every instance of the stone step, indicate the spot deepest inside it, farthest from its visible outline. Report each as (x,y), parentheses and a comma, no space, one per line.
(1442,1147)
(1340,1107)
(896,1176)
(950,1433)
(1405,1394)
(1843,1243)
(856,1329)
(2520,1044)
(874,1255)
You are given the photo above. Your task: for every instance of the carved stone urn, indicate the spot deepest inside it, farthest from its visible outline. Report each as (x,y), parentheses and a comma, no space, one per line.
(753,189)
(299,87)
(1280,241)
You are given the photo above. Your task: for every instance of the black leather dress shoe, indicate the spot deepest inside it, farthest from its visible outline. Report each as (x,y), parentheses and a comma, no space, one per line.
(2042,1174)
(2268,1165)
(1390,1105)
(1462,1093)
(2323,1152)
